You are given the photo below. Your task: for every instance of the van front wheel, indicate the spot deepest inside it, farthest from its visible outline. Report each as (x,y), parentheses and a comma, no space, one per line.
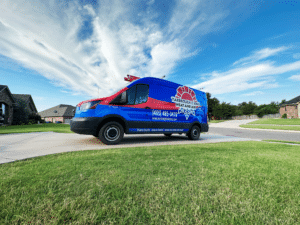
(194,133)
(111,133)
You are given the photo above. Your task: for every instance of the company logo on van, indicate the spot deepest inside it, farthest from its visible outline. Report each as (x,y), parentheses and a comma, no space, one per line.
(186,100)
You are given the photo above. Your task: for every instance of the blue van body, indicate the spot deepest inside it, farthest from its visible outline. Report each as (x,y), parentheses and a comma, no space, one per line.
(147,105)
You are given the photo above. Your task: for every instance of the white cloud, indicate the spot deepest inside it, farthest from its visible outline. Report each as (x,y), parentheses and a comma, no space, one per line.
(295,77)
(43,36)
(296,56)
(260,75)
(260,54)
(254,93)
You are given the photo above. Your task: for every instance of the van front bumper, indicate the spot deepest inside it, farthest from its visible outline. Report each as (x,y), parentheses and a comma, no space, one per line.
(84,125)
(204,127)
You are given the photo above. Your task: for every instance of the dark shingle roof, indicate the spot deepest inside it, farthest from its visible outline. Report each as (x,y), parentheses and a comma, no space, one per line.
(59,110)
(293,101)
(5,87)
(2,87)
(17,97)
(25,98)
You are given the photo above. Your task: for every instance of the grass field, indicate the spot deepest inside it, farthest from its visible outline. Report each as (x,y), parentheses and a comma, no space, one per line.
(45,127)
(277,121)
(296,128)
(222,183)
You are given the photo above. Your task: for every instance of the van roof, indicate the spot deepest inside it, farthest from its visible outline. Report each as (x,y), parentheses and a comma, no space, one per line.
(150,80)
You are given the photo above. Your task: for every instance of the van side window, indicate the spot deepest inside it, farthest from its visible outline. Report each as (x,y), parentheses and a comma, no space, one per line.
(142,91)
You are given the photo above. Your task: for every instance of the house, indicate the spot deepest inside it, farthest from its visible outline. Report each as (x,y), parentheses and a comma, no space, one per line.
(13,106)
(24,102)
(7,102)
(62,113)
(291,108)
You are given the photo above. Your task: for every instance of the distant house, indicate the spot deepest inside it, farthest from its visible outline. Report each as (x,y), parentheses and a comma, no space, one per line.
(12,106)
(291,108)
(62,113)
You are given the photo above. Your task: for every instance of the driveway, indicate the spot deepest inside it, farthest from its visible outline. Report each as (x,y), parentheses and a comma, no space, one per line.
(21,146)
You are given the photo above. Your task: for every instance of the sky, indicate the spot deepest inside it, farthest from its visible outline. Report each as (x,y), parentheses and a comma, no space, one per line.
(68,51)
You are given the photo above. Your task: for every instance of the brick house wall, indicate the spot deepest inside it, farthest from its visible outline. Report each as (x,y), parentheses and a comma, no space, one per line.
(53,119)
(292,111)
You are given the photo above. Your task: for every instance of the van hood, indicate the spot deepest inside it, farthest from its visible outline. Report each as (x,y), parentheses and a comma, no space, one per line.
(91,100)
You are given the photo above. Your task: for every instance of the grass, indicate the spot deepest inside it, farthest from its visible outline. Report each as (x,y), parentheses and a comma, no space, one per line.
(217,121)
(223,183)
(277,121)
(291,142)
(296,128)
(45,127)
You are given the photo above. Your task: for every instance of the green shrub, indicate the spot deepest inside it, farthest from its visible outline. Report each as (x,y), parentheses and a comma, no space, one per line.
(284,116)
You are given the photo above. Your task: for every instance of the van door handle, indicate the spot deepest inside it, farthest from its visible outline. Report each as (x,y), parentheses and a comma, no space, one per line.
(147,107)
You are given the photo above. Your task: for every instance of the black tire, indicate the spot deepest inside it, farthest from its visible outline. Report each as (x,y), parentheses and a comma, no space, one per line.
(194,133)
(168,135)
(111,133)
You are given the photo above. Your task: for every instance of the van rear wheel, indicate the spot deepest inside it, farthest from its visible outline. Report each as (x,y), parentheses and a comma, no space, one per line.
(111,133)
(194,133)
(168,135)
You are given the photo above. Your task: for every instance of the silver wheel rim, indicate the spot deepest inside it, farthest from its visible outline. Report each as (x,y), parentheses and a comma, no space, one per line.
(112,133)
(195,132)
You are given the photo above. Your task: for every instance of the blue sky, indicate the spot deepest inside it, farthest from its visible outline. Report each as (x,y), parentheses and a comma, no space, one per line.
(64,52)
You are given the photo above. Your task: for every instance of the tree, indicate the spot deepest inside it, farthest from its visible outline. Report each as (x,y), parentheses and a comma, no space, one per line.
(224,111)
(282,102)
(34,118)
(21,113)
(247,108)
(211,102)
(264,109)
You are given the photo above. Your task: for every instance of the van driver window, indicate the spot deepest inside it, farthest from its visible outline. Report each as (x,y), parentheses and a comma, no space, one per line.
(142,92)
(131,95)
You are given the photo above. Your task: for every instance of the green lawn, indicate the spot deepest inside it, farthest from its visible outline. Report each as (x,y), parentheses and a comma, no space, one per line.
(223,183)
(46,127)
(297,128)
(277,121)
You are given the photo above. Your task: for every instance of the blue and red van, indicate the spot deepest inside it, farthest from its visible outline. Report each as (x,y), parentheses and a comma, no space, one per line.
(146,105)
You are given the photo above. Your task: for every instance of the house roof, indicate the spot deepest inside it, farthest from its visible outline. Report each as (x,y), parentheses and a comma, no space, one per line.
(293,101)
(5,87)
(59,110)
(2,87)
(21,97)
(25,98)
